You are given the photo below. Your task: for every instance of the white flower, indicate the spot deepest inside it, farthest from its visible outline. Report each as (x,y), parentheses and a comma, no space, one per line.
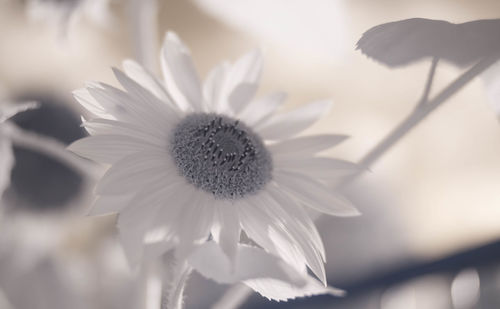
(189,161)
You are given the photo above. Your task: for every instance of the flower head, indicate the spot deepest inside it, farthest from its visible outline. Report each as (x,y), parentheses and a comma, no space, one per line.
(189,161)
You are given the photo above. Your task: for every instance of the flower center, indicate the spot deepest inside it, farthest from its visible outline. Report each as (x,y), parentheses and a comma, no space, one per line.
(220,155)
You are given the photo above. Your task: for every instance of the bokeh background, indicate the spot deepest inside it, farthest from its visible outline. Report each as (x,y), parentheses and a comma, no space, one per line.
(431,205)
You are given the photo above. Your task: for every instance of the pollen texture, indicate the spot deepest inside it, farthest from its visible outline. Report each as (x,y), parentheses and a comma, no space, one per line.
(220,155)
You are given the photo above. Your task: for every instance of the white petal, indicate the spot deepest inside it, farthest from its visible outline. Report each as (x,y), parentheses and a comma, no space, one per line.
(106,204)
(298,214)
(137,170)
(298,233)
(145,99)
(164,228)
(142,208)
(137,217)
(84,97)
(282,291)
(125,108)
(147,80)
(257,225)
(315,194)
(229,234)
(101,126)
(168,221)
(242,80)
(262,109)
(133,246)
(155,250)
(213,87)
(210,261)
(265,232)
(109,148)
(197,218)
(306,145)
(179,71)
(317,168)
(247,69)
(241,96)
(291,123)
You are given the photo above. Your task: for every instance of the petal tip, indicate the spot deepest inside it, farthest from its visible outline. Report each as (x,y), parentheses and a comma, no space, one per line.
(353,213)
(336,292)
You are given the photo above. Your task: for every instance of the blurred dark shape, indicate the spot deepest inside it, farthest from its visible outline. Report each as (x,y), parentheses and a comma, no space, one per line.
(403,42)
(486,259)
(39,182)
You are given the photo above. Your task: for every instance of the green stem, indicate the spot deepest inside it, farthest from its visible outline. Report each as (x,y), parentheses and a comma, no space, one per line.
(428,84)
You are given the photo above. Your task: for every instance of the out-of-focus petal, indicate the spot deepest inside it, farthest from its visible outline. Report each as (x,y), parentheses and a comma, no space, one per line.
(147,80)
(288,124)
(213,87)
(306,145)
(179,72)
(316,195)
(227,224)
(262,109)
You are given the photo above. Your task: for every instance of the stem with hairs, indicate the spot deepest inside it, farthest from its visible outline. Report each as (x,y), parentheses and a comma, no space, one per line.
(419,114)
(175,279)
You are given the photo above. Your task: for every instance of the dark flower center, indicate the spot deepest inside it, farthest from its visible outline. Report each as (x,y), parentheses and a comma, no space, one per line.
(220,155)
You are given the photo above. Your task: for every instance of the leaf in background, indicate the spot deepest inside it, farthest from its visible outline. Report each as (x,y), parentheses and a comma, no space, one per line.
(403,42)
(8,110)
(40,182)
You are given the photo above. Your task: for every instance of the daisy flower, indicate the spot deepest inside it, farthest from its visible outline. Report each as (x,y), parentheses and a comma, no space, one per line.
(189,161)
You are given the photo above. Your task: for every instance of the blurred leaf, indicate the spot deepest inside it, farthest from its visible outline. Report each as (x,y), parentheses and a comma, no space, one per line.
(403,42)
(40,182)
(8,110)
